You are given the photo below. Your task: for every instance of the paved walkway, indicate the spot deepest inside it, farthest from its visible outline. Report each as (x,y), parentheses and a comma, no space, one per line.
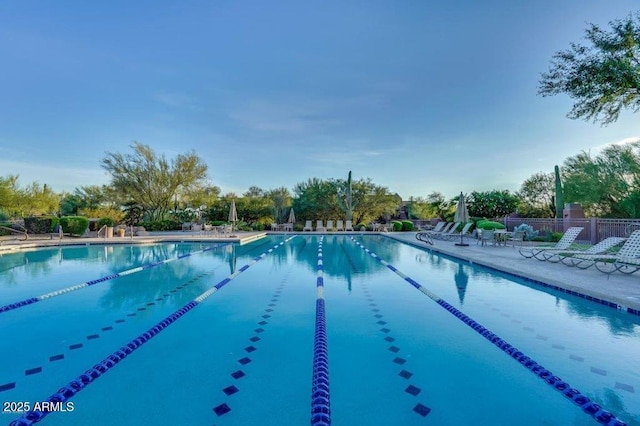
(623,290)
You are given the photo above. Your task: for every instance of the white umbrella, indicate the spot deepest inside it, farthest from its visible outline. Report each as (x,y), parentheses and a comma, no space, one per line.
(233,214)
(462,215)
(292,216)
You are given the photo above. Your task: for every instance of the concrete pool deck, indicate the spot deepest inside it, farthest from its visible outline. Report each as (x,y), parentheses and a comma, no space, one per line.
(621,289)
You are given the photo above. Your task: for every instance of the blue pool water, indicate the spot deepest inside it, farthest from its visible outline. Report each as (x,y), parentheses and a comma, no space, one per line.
(243,352)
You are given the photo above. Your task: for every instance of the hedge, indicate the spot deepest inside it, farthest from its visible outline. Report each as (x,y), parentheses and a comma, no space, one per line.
(489,225)
(41,224)
(397,225)
(74,225)
(407,225)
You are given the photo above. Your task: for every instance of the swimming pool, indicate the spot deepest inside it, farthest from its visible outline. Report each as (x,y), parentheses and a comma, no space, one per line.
(241,335)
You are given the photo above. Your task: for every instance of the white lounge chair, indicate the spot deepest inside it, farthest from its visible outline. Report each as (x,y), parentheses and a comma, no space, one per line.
(567,239)
(319,227)
(627,260)
(329,226)
(568,256)
(445,234)
(463,232)
(339,226)
(348,226)
(307,226)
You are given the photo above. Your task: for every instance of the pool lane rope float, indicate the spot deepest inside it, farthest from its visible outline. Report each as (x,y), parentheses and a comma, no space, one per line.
(76,385)
(69,289)
(320,399)
(594,410)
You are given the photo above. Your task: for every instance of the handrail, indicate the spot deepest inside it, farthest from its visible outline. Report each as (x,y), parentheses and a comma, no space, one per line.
(17,231)
(105,231)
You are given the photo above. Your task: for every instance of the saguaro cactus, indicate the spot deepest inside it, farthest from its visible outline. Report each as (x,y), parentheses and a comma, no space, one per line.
(559,199)
(345,199)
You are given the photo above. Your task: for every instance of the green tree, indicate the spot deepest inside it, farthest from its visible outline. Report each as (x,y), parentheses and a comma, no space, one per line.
(316,199)
(536,196)
(152,180)
(607,185)
(492,204)
(9,194)
(603,77)
(371,201)
(281,203)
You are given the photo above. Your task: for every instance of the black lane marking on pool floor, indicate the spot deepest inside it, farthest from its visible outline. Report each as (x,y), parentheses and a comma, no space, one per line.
(558,347)
(102,367)
(75,346)
(419,408)
(224,407)
(588,406)
(410,389)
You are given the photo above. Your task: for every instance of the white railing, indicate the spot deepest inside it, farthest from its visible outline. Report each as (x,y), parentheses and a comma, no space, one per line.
(104,227)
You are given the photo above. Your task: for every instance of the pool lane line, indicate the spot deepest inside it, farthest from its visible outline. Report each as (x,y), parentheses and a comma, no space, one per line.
(90,337)
(69,289)
(76,385)
(594,410)
(320,397)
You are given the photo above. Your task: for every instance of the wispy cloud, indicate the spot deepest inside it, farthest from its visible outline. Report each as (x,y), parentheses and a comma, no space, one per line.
(624,141)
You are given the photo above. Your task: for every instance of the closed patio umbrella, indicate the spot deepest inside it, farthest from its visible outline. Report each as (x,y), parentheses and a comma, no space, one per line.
(292,216)
(462,215)
(233,214)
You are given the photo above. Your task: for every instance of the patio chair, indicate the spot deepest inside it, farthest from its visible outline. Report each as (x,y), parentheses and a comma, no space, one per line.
(626,260)
(455,235)
(446,227)
(307,226)
(274,226)
(517,236)
(486,237)
(319,227)
(568,256)
(348,226)
(437,228)
(329,226)
(339,226)
(567,239)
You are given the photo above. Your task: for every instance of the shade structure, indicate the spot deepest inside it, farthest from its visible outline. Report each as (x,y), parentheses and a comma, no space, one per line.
(462,215)
(292,216)
(233,214)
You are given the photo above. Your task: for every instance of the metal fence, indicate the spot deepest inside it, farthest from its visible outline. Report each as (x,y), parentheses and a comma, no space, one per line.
(594,229)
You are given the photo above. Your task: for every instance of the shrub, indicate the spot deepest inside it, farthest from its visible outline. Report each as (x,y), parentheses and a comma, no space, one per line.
(162,225)
(360,227)
(407,225)
(489,225)
(529,233)
(105,221)
(219,222)
(258,226)
(41,225)
(553,237)
(397,225)
(74,225)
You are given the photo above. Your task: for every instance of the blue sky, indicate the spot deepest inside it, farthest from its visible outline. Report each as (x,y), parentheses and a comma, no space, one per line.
(419,96)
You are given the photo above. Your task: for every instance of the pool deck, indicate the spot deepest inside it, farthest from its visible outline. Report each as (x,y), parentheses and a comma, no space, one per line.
(621,289)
